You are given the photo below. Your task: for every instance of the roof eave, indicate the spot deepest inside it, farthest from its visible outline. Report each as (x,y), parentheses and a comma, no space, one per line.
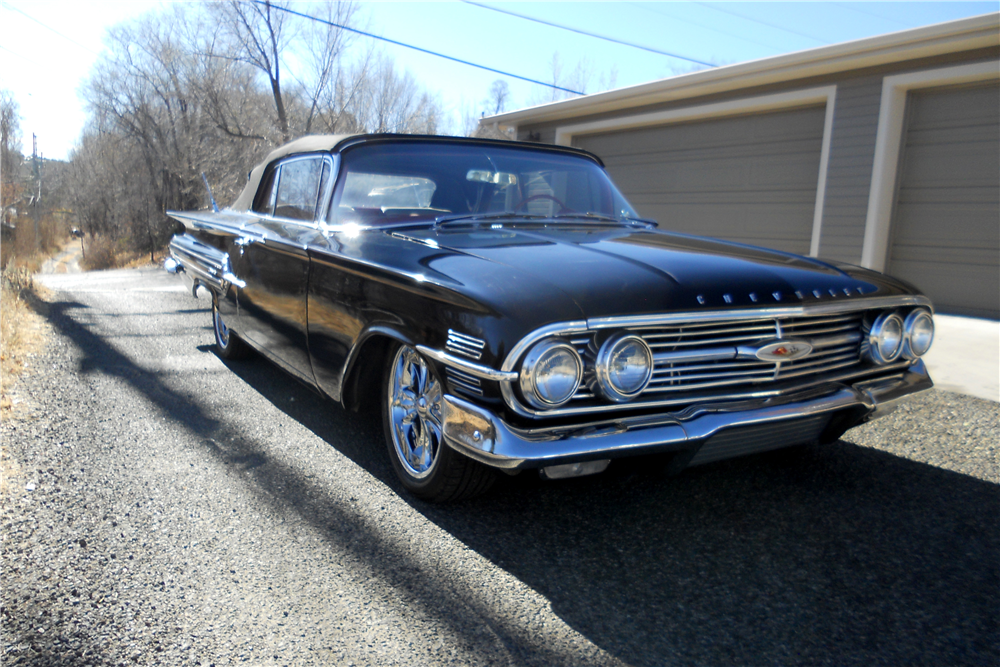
(938,39)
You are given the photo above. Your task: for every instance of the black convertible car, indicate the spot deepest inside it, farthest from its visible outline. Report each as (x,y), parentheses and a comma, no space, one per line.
(508,309)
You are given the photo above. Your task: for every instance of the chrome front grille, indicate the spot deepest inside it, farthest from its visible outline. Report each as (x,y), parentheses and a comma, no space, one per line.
(708,355)
(463,382)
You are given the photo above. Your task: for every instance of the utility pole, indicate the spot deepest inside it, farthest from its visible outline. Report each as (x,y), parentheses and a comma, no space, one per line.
(38,189)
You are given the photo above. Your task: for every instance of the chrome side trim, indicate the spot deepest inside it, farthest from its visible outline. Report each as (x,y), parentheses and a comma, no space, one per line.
(465,345)
(480,371)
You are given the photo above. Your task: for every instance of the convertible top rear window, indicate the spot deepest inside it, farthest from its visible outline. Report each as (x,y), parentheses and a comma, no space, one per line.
(389,183)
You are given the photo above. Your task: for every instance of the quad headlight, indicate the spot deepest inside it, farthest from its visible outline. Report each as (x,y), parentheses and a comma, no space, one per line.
(892,337)
(623,368)
(550,374)
(885,340)
(919,328)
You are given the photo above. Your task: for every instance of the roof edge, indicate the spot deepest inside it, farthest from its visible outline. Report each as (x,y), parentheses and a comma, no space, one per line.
(937,39)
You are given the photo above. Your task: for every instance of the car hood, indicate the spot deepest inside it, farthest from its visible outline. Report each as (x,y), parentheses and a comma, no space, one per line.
(609,271)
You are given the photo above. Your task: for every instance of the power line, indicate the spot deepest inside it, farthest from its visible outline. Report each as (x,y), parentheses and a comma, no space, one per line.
(68,39)
(416,48)
(850,6)
(672,17)
(589,34)
(14,53)
(769,25)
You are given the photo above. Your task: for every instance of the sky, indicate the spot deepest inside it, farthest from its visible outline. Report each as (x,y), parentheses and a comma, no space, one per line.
(48,47)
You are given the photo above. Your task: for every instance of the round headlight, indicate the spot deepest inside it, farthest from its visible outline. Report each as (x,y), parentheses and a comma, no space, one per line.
(885,340)
(624,367)
(919,328)
(551,374)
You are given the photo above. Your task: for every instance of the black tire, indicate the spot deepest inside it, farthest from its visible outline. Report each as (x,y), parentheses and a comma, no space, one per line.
(411,418)
(227,343)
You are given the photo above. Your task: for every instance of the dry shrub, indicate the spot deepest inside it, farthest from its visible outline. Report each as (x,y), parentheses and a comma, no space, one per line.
(103,253)
(24,248)
(100,254)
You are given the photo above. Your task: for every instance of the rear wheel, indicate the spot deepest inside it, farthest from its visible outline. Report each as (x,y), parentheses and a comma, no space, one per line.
(412,415)
(227,343)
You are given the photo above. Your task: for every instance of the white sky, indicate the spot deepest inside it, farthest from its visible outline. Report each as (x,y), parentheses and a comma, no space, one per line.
(48,47)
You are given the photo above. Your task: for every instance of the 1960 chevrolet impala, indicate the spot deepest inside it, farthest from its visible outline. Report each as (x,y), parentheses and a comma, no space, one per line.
(508,309)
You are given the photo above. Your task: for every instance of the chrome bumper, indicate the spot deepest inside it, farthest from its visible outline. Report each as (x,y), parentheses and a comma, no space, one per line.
(481,435)
(201,263)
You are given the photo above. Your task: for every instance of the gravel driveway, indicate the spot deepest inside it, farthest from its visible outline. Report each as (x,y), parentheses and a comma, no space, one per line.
(167,508)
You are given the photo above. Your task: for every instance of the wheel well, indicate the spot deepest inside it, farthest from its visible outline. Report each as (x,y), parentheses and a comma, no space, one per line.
(361,388)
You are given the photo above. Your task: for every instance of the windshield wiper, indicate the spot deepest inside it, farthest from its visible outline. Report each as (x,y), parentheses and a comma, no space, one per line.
(480,217)
(641,221)
(590,215)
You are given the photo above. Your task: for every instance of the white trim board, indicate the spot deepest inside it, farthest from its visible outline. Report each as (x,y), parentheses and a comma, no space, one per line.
(889,143)
(825,95)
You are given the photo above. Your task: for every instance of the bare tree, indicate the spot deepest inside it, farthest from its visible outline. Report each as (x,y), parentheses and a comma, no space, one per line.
(258,35)
(499,95)
(299,58)
(11,158)
(321,84)
(580,78)
(196,88)
(390,101)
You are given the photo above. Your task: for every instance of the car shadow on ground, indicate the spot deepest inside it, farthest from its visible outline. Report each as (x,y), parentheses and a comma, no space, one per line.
(837,554)
(828,554)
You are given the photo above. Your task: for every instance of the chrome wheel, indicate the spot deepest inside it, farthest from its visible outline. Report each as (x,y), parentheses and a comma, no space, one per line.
(227,342)
(414,402)
(221,330)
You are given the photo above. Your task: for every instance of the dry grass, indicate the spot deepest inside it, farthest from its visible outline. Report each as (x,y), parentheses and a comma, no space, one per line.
(102,253)
(99,254)
(22,331)
(26,249)
(134,261)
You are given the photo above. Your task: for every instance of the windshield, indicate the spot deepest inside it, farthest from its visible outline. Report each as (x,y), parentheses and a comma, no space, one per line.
(390,183)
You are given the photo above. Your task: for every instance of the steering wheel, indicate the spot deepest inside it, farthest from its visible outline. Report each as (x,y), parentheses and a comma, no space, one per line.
(562,206)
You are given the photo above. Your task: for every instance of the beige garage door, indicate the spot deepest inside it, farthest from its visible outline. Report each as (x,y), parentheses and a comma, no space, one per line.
(946,226)
(750,179)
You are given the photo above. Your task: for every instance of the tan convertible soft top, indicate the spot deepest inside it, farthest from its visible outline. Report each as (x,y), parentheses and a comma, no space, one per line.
(309,144)
(327,142)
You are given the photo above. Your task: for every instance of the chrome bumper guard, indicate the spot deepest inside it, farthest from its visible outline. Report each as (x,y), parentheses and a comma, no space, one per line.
(481,435)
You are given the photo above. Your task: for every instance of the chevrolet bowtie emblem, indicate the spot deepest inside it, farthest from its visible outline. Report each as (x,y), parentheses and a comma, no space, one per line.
(783,350)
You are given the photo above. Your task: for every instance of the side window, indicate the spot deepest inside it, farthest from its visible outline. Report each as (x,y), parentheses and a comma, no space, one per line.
(264,201)
(299,188)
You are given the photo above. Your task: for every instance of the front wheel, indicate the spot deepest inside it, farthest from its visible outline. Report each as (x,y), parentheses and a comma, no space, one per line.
(227,343)
(412,415)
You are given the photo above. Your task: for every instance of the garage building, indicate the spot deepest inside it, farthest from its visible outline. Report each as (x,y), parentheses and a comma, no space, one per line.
(883,152)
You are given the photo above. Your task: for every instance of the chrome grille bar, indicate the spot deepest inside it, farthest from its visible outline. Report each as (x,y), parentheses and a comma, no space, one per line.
(714,354)
(464,382)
